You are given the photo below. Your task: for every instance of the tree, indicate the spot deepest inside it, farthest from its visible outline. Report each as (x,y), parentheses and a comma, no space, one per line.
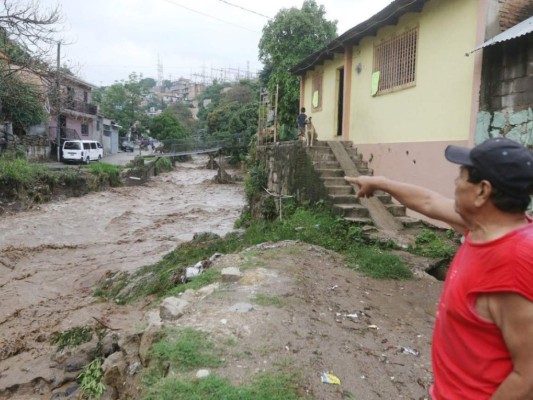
(183,111)
(289,37)
(21,103)
(122,103)
(166,126)
(27,38)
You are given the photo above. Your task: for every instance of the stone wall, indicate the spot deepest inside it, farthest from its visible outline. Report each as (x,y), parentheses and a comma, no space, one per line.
(506,98)
(37,147)
(290,172)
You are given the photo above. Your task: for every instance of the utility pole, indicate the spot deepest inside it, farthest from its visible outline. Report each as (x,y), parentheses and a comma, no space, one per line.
(276,115)
(58,105)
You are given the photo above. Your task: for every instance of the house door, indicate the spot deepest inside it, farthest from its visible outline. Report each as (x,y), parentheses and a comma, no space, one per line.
(340,102)
(62,126)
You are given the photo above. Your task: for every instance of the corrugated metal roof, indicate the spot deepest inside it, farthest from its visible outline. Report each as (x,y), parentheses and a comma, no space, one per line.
(521,29)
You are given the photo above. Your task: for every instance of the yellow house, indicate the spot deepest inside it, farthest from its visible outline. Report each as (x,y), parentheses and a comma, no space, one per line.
(401,87)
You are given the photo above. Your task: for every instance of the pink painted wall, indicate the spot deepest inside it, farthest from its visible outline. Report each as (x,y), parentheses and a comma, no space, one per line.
(420,163)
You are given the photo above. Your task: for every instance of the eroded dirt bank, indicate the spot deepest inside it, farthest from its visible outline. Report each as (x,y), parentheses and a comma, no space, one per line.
(52,257)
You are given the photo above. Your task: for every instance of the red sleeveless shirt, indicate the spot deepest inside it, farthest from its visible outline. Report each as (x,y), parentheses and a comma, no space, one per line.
(469,356)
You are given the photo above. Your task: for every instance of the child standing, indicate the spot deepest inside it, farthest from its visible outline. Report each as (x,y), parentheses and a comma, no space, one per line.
(302,118)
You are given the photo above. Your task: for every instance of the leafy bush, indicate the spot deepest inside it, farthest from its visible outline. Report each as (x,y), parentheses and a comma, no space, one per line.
(430,244)
(72,337)
(17,172)
(91,379)
(255,181)
(379,264)
(107,174)
(163,164)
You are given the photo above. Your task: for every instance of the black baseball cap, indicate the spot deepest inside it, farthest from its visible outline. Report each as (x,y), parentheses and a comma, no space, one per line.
(506,164)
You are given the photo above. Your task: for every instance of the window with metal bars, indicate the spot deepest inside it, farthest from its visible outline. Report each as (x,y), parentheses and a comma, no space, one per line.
(395,60)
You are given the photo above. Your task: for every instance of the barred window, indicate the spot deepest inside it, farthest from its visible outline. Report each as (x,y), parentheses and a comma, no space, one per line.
(395,61)
(84,130)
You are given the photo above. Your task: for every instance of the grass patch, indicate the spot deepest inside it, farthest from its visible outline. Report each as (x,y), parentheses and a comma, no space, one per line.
(310,226)
(18,172)
(106,174)
(266,386)
(265,300)
(429,243)
(186,349)
(379,264)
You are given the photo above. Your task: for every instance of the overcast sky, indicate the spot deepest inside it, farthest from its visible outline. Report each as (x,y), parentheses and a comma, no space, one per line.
(198,39)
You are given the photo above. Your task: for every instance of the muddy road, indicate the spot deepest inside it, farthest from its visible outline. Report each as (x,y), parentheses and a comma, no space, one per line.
(51,257)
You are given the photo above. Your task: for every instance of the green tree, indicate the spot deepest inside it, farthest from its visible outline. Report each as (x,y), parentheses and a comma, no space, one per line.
(122,103)
(147,83)
(290,36)
(167,126)
(182,110)
(21,102)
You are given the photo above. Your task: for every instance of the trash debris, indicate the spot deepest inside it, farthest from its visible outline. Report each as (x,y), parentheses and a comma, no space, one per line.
(372,327)
(352,316)
(408,350)
(333,287)
(326,377)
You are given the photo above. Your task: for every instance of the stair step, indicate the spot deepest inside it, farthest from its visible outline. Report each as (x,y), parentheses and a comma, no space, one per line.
(351,210)
(385,198)
(330,172)
(344,198)
(335,181)
(339,190)
(397,210)
(410,222)
(326,164)
(360,221)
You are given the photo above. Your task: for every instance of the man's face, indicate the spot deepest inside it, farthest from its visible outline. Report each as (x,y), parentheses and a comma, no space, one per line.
(465,193)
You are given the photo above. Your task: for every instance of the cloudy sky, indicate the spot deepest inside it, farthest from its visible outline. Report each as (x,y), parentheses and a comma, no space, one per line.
(201,39)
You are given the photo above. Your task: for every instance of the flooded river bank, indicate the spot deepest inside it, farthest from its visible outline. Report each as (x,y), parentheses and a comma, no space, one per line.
(52,257)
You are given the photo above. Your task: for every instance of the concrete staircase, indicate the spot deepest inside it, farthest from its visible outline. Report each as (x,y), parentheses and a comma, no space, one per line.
(333,161)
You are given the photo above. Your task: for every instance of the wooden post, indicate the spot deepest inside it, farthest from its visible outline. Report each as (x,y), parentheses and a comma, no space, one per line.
(276,115)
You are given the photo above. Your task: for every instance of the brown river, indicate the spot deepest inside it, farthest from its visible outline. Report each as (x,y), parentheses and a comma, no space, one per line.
(52,257)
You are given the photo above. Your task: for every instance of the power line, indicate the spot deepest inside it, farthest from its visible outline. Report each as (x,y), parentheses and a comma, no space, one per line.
(208,15)
(245,9)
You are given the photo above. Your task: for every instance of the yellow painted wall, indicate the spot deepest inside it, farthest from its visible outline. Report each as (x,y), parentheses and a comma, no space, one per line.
(325,120)
(438,107)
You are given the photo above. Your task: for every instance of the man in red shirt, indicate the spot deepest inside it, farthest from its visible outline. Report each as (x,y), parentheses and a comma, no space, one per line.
(483,339)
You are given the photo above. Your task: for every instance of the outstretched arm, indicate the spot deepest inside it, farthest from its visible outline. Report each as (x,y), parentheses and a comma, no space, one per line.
(419,199)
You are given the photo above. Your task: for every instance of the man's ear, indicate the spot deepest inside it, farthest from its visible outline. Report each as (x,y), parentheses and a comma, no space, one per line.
(483,192)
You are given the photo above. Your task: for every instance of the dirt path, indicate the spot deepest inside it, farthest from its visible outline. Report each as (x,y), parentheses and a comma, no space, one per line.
(52,257)
(373,335)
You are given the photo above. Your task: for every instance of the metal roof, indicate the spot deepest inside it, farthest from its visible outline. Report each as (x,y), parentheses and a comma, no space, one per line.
(521,29)
(387,16)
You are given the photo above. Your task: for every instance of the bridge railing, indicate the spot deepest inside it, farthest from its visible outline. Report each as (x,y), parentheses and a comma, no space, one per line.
(196,143)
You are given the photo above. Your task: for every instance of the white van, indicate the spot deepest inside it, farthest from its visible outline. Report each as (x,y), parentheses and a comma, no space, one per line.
(82,151)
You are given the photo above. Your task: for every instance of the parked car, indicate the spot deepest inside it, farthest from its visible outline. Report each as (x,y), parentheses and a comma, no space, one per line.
(82,151)
(127,146)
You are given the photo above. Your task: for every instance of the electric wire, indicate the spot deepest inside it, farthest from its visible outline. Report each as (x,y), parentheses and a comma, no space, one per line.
(208,15)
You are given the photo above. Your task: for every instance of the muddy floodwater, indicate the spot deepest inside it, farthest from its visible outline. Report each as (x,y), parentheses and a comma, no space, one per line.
(51,257)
